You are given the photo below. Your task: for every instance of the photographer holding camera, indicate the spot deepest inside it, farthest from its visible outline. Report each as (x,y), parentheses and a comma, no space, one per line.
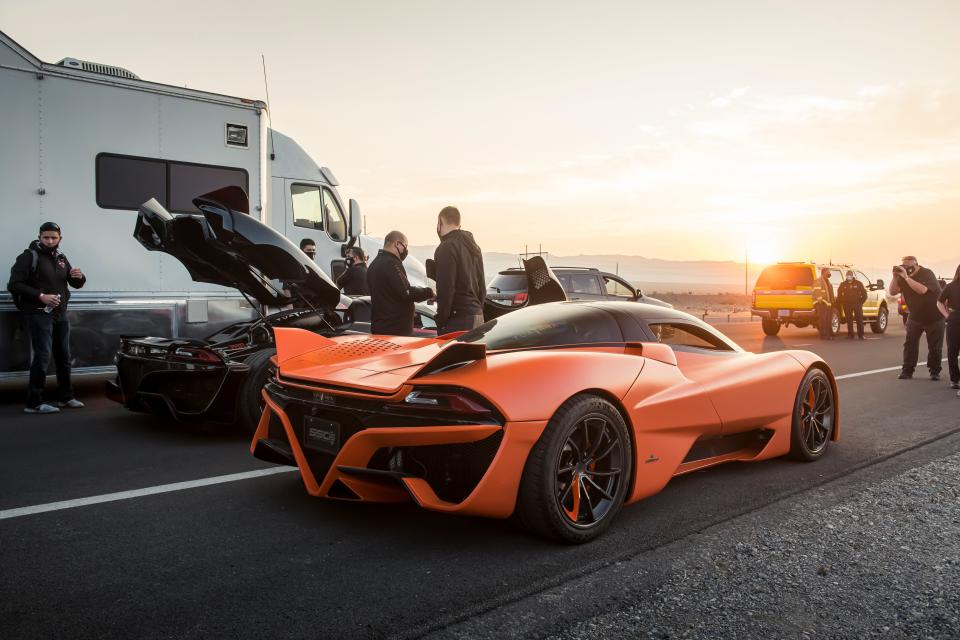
(920,291)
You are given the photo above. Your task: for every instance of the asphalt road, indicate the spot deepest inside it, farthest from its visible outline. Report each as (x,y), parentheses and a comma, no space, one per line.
(259,558)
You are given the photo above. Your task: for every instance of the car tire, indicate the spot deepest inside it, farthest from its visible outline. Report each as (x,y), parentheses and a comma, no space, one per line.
(883,318)
(835,323)
(249,399)
(770,327)
(578,473)
(814,416)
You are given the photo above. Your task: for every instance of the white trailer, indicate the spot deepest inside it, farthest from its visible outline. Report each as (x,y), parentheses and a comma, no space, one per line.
(84,144)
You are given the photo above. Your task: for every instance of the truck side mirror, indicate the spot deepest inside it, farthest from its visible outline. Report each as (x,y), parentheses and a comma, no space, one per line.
(880,284)
(356,223)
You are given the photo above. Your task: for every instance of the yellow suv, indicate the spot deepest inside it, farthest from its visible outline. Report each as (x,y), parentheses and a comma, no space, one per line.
(785,294)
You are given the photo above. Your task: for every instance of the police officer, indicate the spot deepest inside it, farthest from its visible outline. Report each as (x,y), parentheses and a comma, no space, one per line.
(353,281)
(825,306)
(39,283)
(391,296)
(851,294)
(461,286)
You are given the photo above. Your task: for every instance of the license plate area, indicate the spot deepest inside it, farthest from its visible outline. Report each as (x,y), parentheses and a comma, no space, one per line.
(783,313)
(321,435)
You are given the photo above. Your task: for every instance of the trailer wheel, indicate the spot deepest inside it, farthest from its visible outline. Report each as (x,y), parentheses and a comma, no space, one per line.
(249,399)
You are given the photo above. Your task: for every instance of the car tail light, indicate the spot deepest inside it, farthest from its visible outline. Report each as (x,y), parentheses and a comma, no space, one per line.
(447,400)
(520,298)
(196,355)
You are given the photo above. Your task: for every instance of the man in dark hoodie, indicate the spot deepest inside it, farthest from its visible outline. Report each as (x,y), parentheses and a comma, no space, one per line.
(39,282)
(461,286)
(353,281)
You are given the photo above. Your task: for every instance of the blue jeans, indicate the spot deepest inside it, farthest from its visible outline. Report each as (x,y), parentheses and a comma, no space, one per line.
(48,332)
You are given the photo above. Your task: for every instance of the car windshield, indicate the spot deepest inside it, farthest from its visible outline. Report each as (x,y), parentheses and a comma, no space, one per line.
(547,325)
(509,282)
(783,276)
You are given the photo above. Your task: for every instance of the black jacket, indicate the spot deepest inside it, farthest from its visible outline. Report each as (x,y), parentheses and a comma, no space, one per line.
(461,286)
(851,293)
(52,275)
(391,296)
(353,281)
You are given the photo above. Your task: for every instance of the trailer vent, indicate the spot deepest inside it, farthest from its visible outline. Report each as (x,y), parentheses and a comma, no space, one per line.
(93,67)
(236,135)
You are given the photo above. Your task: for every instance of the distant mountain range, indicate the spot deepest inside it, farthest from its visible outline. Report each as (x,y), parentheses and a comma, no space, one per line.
(651,274)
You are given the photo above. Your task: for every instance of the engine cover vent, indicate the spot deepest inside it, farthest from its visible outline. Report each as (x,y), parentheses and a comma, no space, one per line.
(94,67)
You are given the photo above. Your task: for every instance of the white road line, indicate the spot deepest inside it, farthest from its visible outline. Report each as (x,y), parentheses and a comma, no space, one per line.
(233,477)
(138,493)
(873,371)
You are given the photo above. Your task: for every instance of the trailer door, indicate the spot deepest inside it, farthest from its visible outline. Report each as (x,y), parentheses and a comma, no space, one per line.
(312,211)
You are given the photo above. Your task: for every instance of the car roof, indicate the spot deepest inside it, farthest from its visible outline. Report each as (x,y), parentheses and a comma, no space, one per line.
(518,271)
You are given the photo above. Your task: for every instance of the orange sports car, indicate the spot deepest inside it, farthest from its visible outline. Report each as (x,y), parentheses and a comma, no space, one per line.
(560,412)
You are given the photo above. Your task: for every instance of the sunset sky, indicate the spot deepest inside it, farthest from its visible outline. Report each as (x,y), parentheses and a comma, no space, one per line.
(680,130)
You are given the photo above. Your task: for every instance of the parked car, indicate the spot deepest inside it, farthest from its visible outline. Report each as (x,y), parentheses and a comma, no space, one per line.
(785,294)
(509,287)
(559,413)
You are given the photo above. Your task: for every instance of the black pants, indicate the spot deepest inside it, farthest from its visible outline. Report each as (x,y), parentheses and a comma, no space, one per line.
(953,345)
(851,313)
(48,332)
(460,322)
(911,346)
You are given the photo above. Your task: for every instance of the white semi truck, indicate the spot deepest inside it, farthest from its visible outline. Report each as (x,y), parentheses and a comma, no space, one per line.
(85,144)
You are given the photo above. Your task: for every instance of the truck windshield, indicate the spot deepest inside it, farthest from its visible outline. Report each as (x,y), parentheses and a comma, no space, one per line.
(784,276)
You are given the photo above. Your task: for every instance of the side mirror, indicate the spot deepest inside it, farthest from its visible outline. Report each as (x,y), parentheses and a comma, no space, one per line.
(879,284)
(356,222)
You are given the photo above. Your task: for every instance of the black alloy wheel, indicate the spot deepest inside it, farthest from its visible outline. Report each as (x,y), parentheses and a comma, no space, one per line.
(577,476)
(814,415)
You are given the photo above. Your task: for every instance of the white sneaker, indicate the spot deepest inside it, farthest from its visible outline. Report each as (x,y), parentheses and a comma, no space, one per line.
(41,408)
(72,403)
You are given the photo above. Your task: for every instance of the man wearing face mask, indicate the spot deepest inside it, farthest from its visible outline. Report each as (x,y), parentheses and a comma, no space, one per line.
(851,294)
(825,306)
(920,291)
(461,286)
(39,282)
(353,281)
(391,296)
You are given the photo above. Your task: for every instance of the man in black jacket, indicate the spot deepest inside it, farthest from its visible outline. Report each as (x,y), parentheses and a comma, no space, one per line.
(353,281)
(39,283)
(920,290)
(851,294)
(391,296)
(461,286)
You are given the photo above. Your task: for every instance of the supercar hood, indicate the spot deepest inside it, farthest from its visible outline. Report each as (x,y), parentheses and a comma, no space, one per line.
(223,245)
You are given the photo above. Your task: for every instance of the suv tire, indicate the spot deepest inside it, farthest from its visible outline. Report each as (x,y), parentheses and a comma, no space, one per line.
(770,327)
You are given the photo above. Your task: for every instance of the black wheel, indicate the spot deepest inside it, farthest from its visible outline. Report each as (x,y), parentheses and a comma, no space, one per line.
(578,473)
(880,324)
(834,321)
(770,327)
(814,414)
(249,399)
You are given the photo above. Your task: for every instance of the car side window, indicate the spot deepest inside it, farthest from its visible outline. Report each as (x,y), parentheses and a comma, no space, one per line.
(863,280)
(307,208)
(423,321)
(617,287)
(584,283)
(677,334)
(333,219)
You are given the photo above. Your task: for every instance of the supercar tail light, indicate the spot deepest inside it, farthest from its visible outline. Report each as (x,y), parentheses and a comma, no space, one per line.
(196,355)
(445,400)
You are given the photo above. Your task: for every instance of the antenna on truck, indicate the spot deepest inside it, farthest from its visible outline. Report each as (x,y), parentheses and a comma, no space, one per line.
(273,154)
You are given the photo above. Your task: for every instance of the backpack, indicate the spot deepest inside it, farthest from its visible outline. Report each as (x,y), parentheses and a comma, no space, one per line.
(18,300)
